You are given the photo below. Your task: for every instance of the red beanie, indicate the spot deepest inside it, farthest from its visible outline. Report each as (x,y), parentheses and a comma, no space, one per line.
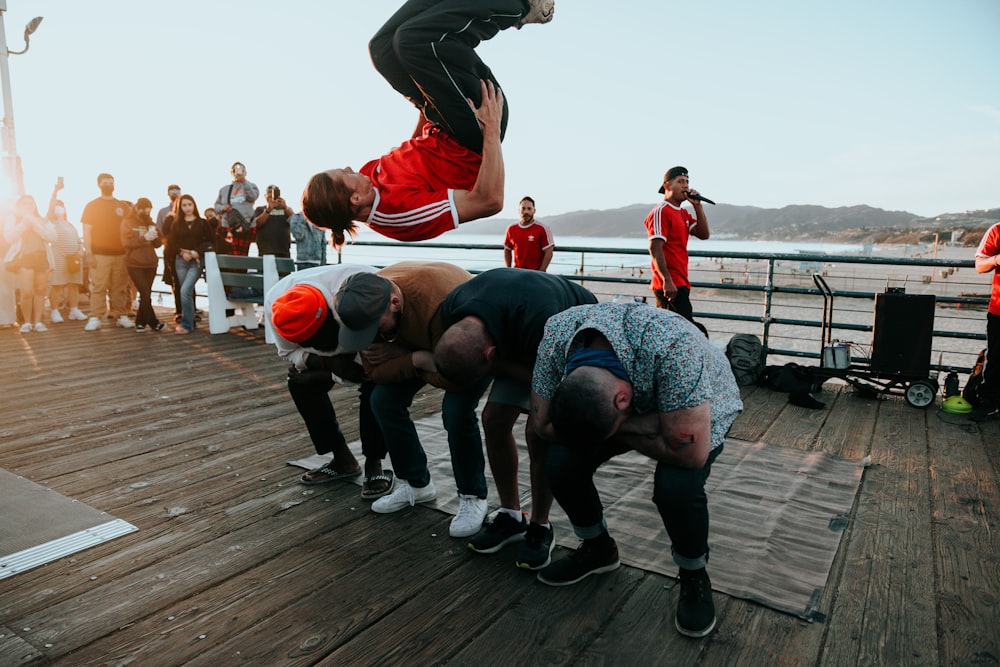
(298,313)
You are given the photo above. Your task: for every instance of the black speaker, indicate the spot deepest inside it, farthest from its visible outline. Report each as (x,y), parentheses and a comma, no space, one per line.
(902,334)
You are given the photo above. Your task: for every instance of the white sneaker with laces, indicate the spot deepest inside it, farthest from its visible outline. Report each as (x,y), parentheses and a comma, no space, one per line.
(55,317)
(93,324)
(539,11)
(26,327)
(404,496)
(470,516)
(39,326)
(76,314)
(125,323)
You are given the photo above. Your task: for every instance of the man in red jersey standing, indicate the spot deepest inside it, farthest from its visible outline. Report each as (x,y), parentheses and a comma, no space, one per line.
(528,244)
(668,227)
(451,171)
(987,261)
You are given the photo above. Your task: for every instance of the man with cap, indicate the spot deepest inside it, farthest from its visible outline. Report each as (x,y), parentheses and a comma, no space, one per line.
(495,323)
(668,227)
(299,311)
(394,315)
(274,232)
(235,204)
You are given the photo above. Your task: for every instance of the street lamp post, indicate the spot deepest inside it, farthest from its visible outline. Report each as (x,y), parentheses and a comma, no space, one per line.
(11,160)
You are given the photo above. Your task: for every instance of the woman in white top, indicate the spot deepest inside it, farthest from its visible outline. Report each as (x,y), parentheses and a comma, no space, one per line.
(67,244)
(30,234)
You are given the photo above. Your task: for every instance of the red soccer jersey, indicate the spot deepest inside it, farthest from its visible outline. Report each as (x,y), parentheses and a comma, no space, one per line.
(673,224)
(528,244)
(415,186)
(990,247)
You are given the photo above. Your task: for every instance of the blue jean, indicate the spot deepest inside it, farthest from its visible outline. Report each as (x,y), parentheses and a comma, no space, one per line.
(679,494)
(188,273)
(391,403)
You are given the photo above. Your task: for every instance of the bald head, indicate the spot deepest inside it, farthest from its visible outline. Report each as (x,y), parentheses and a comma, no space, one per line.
(583,409)
(464,353)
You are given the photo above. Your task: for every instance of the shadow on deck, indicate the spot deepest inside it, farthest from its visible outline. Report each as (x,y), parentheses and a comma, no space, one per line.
(235,562)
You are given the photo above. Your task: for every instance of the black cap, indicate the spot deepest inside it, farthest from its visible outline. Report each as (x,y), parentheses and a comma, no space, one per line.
(671,174)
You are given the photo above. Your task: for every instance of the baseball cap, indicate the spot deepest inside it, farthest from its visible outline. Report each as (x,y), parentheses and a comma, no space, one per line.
(671,174)
(298,313)
(361,300)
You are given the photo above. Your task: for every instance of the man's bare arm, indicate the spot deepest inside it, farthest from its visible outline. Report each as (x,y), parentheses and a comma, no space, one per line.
(680,437)
(486,196)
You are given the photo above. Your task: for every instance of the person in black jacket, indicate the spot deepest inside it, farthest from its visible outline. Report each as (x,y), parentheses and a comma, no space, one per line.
(141,238)
(190,236)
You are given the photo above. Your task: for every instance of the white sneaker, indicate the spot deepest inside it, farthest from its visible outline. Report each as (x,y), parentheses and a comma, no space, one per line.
(125,323)
(404,496)
(470,516)
(93,324)
(539,11)
(39,326)
(26,327)
(76,314)
(55,317)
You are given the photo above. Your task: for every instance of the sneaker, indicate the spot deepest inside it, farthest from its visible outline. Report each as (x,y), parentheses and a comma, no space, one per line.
(159,326)
(986,410)
(55,317)
(26,327)
(594,556)
(536,553)
(539,11)
(140,327)
(469,519)
(39,326)
(695,610)
(404,496)
(124,322)
(76,314)
(93,324)
(503,530)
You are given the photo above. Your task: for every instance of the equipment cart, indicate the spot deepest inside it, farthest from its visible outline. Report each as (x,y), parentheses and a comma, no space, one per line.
(900,357)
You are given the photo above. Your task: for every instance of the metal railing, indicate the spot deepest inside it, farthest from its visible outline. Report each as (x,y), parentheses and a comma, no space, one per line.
(761,289)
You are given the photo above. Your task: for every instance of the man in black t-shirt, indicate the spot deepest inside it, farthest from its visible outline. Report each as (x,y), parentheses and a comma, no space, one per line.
(274,231)
(495,322)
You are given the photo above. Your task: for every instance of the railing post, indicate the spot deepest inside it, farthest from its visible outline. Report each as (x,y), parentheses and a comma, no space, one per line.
(768,291)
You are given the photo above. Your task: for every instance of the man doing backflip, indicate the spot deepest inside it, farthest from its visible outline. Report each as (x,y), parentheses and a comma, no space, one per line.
(451,171)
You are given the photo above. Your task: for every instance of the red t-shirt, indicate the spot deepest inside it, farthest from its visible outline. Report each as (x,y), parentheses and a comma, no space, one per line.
(528,244)
(673,224)
(415,186)
(990,247)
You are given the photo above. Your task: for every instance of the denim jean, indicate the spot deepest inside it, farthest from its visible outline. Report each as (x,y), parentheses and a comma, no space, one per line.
(188,273)
(391,403)
(679,494)
(313,403)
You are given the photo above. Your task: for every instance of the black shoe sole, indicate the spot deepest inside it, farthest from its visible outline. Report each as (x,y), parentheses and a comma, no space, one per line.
(696,634)
(599,570)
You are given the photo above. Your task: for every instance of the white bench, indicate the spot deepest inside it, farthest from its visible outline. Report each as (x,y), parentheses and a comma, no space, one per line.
(261,273)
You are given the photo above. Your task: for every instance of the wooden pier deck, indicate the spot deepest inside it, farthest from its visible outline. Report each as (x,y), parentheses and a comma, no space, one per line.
(235,562)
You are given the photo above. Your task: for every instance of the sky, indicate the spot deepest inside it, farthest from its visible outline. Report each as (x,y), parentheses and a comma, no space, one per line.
(890,103)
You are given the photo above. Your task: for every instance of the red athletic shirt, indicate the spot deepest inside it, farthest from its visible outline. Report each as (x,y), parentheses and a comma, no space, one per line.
(415,186)
(990,247)
(673,224)
(528,244)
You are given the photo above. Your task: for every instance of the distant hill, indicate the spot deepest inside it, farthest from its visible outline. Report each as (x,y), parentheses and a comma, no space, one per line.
(793,223)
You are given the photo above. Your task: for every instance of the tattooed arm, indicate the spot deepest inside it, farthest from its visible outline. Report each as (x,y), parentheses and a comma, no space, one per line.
(682,438)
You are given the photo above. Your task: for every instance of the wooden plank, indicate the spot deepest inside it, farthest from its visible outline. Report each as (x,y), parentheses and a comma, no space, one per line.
(16,651)
(966,512)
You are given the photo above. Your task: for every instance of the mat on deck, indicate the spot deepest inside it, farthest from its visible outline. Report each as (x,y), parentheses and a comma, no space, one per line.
(777,514)
(38,525)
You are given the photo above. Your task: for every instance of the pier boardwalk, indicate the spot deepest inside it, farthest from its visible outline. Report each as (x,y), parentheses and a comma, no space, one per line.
(235,562)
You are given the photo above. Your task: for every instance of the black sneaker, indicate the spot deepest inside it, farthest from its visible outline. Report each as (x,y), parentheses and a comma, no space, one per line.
(159,326)
(985,411)
(537,550)
(591,557)
(503,530)
(695,609)
(140,327)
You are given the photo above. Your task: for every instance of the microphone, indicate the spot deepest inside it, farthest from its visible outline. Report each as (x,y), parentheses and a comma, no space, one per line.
(698,197)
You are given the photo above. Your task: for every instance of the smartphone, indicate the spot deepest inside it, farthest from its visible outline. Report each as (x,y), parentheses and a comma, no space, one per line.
(275,193)
(60,181)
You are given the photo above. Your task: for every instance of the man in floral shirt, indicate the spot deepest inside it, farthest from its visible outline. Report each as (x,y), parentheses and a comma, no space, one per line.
(619,376)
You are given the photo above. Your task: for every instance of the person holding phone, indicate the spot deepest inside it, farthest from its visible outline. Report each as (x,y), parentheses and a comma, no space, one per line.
(274,232)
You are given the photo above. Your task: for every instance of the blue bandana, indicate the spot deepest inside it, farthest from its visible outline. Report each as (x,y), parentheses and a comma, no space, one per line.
(598,358)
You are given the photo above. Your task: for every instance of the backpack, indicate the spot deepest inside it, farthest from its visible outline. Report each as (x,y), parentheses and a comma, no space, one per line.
(971,391)
(746,356)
